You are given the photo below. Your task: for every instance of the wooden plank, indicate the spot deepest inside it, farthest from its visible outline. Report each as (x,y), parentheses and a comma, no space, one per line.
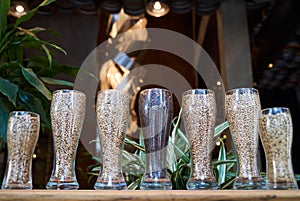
(202,29)
(234,44)
(184,195)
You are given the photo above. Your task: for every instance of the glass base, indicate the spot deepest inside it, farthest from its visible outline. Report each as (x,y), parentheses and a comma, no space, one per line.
(282,186)
(17,186)
(202,185)
(156,184)
(255,183)
(110,185)
(62,185)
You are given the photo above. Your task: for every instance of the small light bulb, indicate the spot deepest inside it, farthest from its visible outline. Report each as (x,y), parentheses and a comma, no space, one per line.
(20,8)
(157,5)
(34,156)
(270,65)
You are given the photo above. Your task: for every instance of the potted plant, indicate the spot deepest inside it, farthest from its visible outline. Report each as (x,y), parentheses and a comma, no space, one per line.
(25,80)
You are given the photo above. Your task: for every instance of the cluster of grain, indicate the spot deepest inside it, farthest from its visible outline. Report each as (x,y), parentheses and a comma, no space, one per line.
(22,136)
(67,117)
(276,135)
(199,115)
(243,109)
(112,117)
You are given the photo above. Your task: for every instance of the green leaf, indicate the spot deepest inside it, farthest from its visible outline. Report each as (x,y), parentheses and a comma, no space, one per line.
(177,131)
(15,52)
(97,159)
(54,81)
(181,154)
(41,62)
(31,13)
(32,78)
(228,183)
(34,104)
(222,168)
(142,154)
(49,56)
(180,177)
(134,185)
(37,29)
(4,8)
(5,109)
(134,161)
(134,144)
(9,89)
(9,65)
(228,162)
(31,40)
(220,128)
(31,37)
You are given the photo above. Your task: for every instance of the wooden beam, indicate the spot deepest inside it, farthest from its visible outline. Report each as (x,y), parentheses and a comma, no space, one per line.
(151,195)
(234,44)
(202,29)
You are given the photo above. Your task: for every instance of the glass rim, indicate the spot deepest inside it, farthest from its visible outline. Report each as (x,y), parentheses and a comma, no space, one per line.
(155,89)
(113,90)
(231,91)
(270,110)
(68,91)
(23,112)
(191,91)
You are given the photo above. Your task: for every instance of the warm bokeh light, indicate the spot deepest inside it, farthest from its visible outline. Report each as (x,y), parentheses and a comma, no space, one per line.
(157,5)
(270,65)
(20,8)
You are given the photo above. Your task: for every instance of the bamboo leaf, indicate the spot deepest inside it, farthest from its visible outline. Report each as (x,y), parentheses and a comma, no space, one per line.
(54,81)
(32,78)
(171,156)
(49,56)
(97,159)
(218,162)
(34,104)
(31,13)
(96,169)
(177,131)
(134,185)
(134,161)
(4,8)
(41,62)
(31,38)
(9,65)
(5,40)
(134,144)
(9,89)
(5,108)
(220,128)
(181,154)
(142,154)
(222,168)
(15,52)
(37,29)
(228,183)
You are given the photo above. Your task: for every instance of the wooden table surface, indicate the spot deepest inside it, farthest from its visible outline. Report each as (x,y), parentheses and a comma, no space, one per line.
(175,195)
